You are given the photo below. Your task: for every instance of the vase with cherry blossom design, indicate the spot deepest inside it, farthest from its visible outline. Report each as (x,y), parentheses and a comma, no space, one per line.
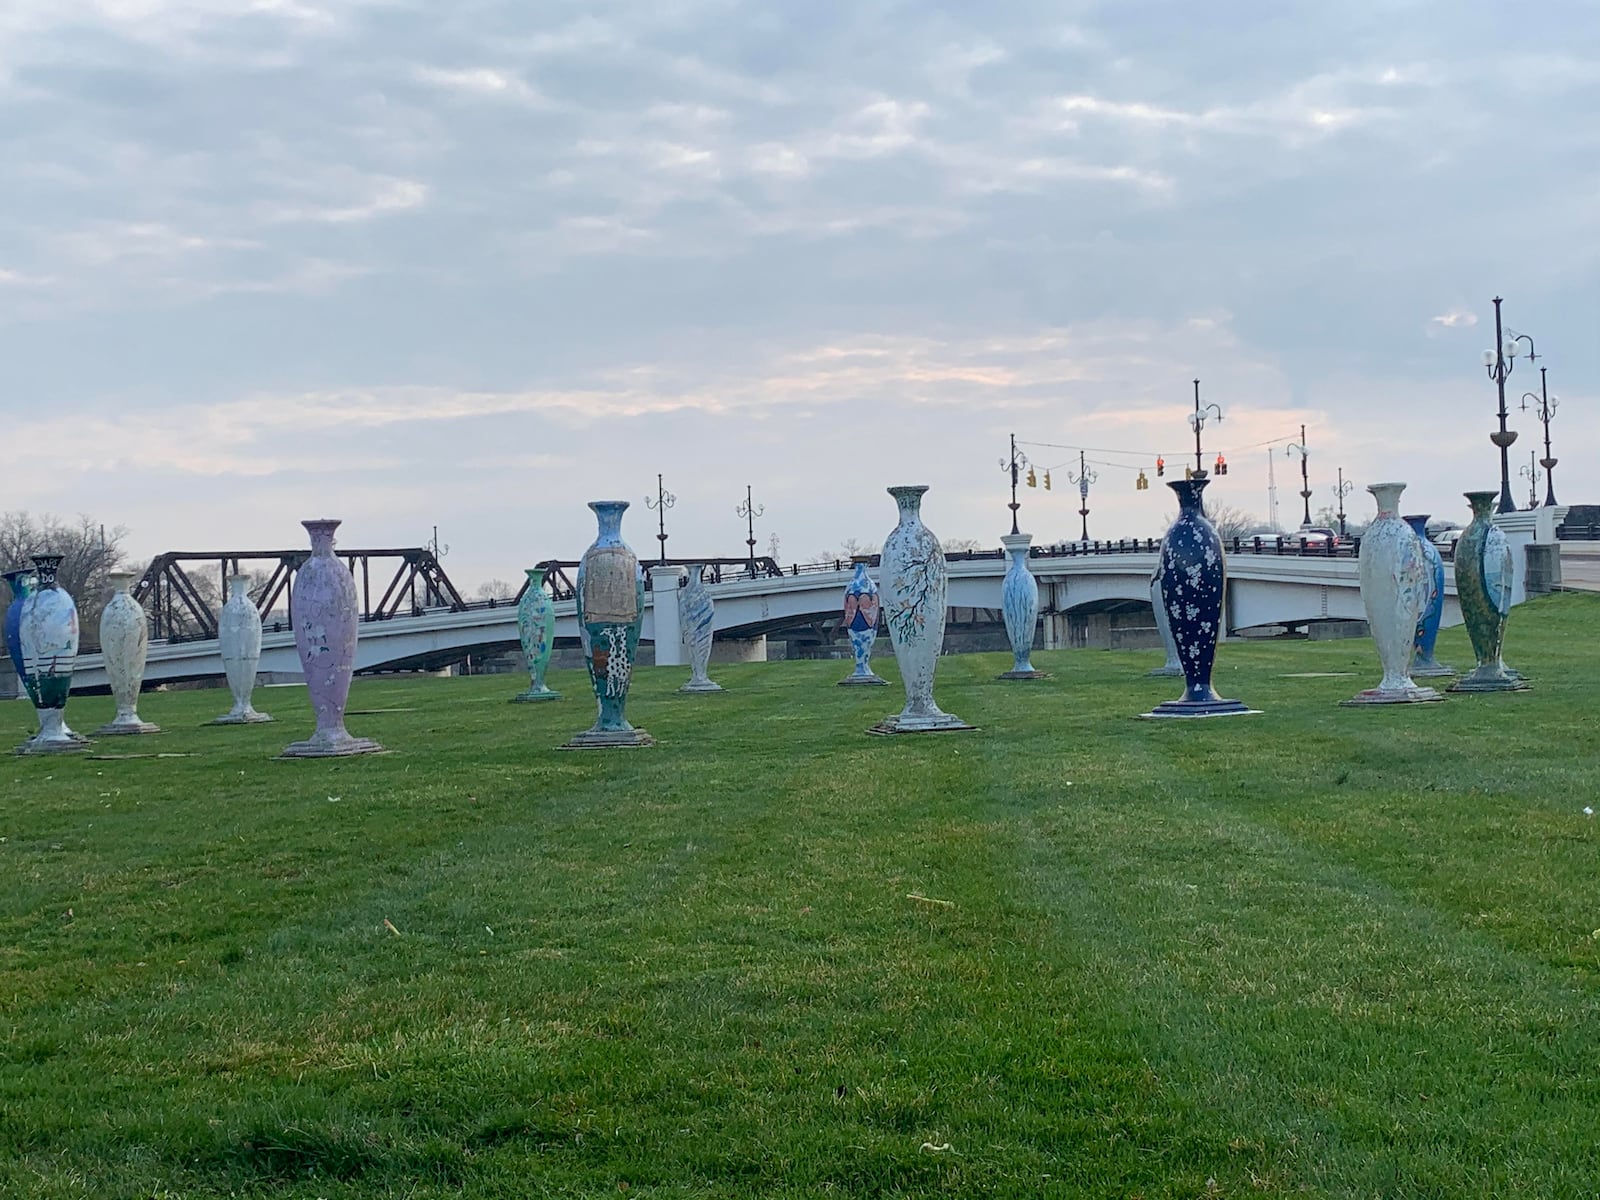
(1394,592)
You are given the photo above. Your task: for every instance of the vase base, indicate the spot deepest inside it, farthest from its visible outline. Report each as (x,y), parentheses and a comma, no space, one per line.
(1432,670)
(126,728)
(706,685)
(1164,672)
(1191,709)
(1028,674)
(934,723)
(1410,695)
(863,681)
(250,718)
(342,747)
(73,745)
(1473,682)
(532,697)
(607,739)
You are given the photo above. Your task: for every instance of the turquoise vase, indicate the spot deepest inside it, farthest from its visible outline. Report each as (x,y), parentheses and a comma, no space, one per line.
(1484,577)
(1424,664)
(610,606)
(536,626)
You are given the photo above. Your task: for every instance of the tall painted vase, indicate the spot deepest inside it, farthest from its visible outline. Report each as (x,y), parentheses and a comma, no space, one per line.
(322,605)
(1194,574)
(1019,604)
(861,623)
(536,628)
(698,616)
(48,634)
(1484,576)
(1423,664)
(124,647)
(913,586)
(1394,591)
(1173,666)
(20,581)
(239,642)
(610,611)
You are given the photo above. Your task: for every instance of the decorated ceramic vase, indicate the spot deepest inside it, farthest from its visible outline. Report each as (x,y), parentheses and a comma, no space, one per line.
(1158,606)
(610,606)
(1394,592)
(861,623)
(1019,604)
(239,641)
(1423,664)
(20,581)
(536,627)
(698,613)
(322,608)
(1193,576)
(124,646)
(1484,576)
(913,585)
(48,633)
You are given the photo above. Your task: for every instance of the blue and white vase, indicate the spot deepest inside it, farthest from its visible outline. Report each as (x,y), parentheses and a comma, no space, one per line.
(1485,576)
(1172,667)
(48,631)
(914,585)
(1019,604)
(1394,593)
(20,581)
(1423,664)
(698,614)
(610,605)
(1194,574)
(536,628)
(861,623)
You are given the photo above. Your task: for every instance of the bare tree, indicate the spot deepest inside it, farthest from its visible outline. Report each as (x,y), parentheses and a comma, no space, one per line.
(496,589)
(89,551)
(961,545)
(848,549)
(1230,522)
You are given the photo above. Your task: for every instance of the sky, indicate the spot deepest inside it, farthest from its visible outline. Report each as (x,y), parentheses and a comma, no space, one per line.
(472,264)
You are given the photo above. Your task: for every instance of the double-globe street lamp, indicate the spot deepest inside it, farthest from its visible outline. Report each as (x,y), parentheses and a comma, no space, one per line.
(1197,422)
(1344,488)
(1305,485)
(1500,362)
(750,510)
(1545,406)
(1084,476)
(663,501)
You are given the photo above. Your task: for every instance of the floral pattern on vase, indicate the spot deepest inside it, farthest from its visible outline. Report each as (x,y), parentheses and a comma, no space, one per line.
(1194,575)
(239,643)
(1173,666)
(124,648)
(1423,664)
(536,629)
(698,614)
(1019,605)
(913,589)
(1394,593)
(48,637)
(322,608)
(1484,577)
(861,624)
(610,605)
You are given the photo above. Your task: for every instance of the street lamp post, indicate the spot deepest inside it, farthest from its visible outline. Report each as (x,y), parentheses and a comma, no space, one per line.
(1014,464)
(1083,479)
(1305,485)
(663,501)
(1531,474)
(1197,422)
(1500,362)
(1545,405)
(1344,489)
(750,510)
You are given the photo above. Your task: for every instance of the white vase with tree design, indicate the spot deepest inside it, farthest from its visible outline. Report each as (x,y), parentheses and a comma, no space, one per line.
(1394,592)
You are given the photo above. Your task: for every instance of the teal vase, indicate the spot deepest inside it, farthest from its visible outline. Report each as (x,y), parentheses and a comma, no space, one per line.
(536,626)
(610,605)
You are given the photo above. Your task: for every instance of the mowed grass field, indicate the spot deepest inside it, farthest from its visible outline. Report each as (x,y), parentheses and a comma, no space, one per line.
(1322,951)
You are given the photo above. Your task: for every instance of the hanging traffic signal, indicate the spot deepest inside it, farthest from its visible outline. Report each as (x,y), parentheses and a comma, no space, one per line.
(1141,484)
(1047,481)
(1222,465)
(1161,466)
(1033,480)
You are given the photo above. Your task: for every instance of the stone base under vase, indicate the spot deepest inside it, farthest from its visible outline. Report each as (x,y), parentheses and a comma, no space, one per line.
(250,718)
(1433,670)
(532,696)
(1028,674)
(1478,680)
(941,722)
(126,728)
(340,746)
(607,739)
(1378,695)
(863,681)
(73,745)
(1164,673)
(703,685)
(1191,709)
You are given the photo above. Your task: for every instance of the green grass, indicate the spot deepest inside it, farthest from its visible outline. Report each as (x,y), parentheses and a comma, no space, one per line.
(1321,951)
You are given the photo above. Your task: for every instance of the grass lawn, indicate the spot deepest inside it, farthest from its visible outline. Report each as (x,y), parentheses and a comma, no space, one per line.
(1322,951)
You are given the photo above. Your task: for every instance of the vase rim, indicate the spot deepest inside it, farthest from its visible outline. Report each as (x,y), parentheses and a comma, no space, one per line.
(900,490)
(1016,539)
(1375,488)
(120,577)
(47,560)
(238,575)
(861,560)
(15,573)
(1489,495)
(602,505)
(322,524)
(1423,517)
(1194,486)
(534,572)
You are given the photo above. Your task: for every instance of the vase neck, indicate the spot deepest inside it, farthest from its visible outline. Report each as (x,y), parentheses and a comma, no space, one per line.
(1482,503)
(321,533)
(535,576)
(45,567)
(608,515)
(1419,524)
(908,498)
(238,585)
(1387,498)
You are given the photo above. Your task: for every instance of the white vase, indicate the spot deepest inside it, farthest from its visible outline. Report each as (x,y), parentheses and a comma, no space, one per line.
(698,616)
(913,585)
(124,646)
(1019,604)
(48,638)
(239,640)
(1394,591)
(1174,664)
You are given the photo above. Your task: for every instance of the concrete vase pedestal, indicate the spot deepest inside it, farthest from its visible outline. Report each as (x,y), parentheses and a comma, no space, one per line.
(1172,667)
(48,638)
(610,614)
(1019,604)
(124,645)
(239,643)
(1394,592)
(536,627)
(698,616)
(861,623)
(1484,586)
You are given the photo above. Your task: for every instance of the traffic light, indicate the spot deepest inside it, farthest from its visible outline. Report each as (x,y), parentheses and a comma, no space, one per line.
(1141,484)
(1047,481)
(1222,465)
(1161,466)
(1033,480)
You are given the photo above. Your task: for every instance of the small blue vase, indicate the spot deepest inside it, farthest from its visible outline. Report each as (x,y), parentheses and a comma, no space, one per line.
(861,623)
(21,583)
(1194,573)
(1019,604)
(1428,623)
(610,611)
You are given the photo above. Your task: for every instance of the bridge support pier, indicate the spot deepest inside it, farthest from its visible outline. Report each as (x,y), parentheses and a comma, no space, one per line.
(666,616)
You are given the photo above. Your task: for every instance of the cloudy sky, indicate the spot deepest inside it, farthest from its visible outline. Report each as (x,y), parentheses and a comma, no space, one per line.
(471,264)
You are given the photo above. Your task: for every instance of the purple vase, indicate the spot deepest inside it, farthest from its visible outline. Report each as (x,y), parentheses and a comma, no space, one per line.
(322,607)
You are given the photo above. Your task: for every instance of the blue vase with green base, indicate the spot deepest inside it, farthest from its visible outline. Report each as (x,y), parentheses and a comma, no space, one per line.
(20,581)
(48,631)
(610,606)
(536,627)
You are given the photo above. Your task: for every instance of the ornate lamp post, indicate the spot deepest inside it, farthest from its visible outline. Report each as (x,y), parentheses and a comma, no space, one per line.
(1083,478)
(1545,405)
(1305,486)
(663,501)
(749,510)
(1197,422)
(1344,489)
(1500,362)
(1531,474)
(1014,464)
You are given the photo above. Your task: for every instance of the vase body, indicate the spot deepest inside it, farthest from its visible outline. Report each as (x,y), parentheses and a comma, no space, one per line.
(536,629)
(48,637)
(124,647)
(610,604)
(239,643)
(913,586)
(1173,666)
(698,614)
(1423,664)
(21,583)
(861,624)
(322,607)
(1019,604)
(1484,574)
(1193,575)
(1394,593)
